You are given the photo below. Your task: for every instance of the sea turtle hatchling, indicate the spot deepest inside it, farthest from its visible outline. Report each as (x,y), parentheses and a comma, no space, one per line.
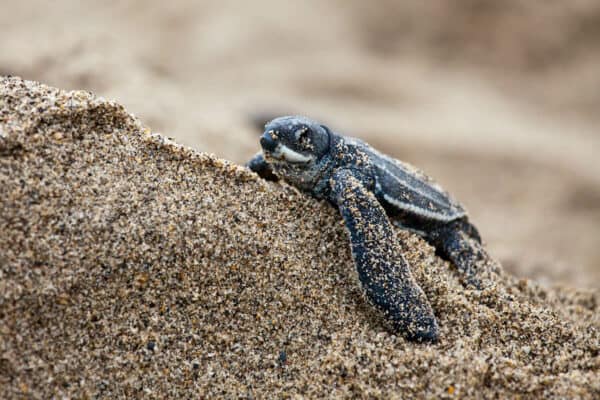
(372,191)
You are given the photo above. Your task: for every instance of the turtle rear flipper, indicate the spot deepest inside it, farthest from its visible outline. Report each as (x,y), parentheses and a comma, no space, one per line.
(382,270)
(459,243)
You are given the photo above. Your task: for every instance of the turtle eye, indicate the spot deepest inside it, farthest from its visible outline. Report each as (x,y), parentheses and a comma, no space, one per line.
(301,134)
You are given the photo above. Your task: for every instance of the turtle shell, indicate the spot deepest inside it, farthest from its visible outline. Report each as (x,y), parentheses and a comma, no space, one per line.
(407,190)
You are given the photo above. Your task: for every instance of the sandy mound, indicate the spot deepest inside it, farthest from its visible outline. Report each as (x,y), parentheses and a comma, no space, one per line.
(134,267)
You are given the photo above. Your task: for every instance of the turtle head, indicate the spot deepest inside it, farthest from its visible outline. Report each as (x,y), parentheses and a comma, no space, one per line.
(294,140)
(295,147)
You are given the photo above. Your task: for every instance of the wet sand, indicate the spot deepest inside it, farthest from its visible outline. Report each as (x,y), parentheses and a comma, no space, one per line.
(134,267)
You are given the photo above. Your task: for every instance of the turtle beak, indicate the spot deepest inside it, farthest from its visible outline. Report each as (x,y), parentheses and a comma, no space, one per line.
(275,150)
(267,142)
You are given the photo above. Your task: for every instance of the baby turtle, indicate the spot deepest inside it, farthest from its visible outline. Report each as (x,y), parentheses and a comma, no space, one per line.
(372,191)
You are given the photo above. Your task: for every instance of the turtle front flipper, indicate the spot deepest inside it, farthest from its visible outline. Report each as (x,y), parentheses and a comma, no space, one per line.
(382,270)
(259,165)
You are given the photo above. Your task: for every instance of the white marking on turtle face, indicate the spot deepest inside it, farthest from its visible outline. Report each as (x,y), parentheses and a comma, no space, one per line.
(282,152)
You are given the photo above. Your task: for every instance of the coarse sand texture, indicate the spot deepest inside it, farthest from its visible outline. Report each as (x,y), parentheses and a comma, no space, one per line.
(134,267)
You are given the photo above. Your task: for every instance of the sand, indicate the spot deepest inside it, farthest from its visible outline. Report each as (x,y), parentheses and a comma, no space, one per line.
(134,267)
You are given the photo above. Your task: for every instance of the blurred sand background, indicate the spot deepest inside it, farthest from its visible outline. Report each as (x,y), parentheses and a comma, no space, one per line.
(497,100)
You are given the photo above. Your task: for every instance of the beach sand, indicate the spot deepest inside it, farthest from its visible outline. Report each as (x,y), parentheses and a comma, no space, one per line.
(134,267)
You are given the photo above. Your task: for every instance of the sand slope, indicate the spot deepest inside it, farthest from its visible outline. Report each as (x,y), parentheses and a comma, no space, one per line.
(131,266)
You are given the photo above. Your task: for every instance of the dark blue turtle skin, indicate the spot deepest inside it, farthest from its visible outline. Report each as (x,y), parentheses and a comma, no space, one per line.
(373,191)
